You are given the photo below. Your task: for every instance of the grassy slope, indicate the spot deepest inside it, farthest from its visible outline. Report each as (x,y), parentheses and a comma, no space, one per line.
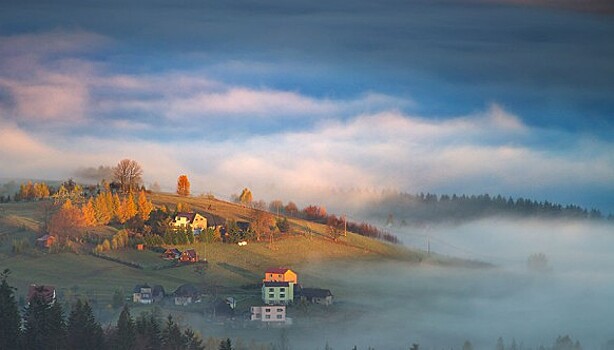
(230,266)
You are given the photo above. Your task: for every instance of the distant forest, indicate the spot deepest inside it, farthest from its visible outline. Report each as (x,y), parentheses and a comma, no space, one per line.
(410,209)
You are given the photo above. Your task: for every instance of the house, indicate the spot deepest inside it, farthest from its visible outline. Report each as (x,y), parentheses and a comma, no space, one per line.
(45,242)
(280,275)
(45,293)
(189,255)
(186,294)
(172,254)
(268,313)
(142,294)
(158,293)
(316,296)
(195,220)
(277,293)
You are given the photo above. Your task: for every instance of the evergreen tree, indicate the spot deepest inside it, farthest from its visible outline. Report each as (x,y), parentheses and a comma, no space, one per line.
(125,336)
(83,330)
(10,320)
(44,325)
(500,345)
(148,330)
(171,335)
(225,344)
(192,341)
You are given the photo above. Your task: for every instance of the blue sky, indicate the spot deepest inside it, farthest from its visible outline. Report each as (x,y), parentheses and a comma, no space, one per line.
(296,98)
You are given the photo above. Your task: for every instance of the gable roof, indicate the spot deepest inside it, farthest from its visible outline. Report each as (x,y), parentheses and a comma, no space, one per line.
(190,252)
(187,290)
(277,284)
(138,287)
(173,251)
(46,293)
(158,290)
(278,270)
(189,216)
(315,293)
(214,220)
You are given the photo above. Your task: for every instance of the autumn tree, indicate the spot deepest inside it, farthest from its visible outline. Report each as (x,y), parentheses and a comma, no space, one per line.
(128,174)
(89,213)
(101,210)
(66,222)
(183,185)
(128,209)
(276,206)
(263,224)
(246,197)
(291,209)
(144,206)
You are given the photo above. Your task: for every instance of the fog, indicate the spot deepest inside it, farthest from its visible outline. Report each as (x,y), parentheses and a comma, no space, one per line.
(392,305)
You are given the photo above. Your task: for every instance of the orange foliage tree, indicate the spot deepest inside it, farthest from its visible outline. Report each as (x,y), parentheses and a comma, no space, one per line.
(127,209)
(89,213)
(144,206)
(66,222)
(183,185)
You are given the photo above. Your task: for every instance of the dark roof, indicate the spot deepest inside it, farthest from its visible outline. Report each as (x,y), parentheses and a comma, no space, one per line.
(187,290)
(137,288)
(280,270)
(315,293)
(157,290)
(173,250)
(214,220)
(42,291)
(277,284)
(243,225)
(189,216)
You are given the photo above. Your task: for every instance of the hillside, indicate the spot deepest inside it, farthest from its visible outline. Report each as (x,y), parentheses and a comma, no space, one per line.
(231,269)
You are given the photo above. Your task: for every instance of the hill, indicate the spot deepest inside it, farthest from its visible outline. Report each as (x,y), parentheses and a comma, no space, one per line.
(231,269)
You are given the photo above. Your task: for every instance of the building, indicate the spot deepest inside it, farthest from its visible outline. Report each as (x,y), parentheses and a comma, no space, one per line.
(195,220)
(46,293)
(316,296)
(172,254)
(186,294)
(280,275)
(277,293)
(45,242)
(142,294)
(189,255)
(268,313)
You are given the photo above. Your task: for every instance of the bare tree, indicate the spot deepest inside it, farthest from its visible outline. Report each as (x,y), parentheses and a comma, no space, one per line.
(128,173)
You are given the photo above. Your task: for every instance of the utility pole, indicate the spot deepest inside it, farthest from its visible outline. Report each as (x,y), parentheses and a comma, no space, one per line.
(345,226)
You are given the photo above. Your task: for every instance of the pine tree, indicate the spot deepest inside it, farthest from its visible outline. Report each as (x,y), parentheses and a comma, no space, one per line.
(83,330)
(225,344)
(10,320)
(148,330)
(192,341)
(44,325)
(171,335)
(125,336)
(144,206)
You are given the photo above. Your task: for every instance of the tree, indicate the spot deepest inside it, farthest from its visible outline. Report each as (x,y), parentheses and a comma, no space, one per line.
(283,225)
(263,224)
(291,209)
(500,345)
(127,209)
(128,174)
(467,345)
(276,206)
(84,332)
(246,197)
(89,213)
(148,330)
(101,210)
(66,222)
(44,325)
(225,344)
(10,319)
(538,262)
(125,336)
(191,341)
(144,206)
(183,185)
(172,338)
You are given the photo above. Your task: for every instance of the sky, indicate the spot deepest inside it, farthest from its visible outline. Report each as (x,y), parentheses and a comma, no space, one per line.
(295,99)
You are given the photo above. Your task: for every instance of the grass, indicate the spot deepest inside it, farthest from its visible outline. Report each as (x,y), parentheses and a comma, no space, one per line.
(229,270)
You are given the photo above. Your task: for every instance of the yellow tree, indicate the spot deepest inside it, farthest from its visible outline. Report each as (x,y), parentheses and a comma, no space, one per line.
(144,206)
(183,185)
(116,206)
(88,213)
(101,210)
(127,210)
(66,222)
(246,196)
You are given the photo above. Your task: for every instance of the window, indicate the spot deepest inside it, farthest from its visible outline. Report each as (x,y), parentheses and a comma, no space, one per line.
(279,317)
(282,289)
(271,290)
(282,295)
(271,295)
(267,310)
(280,310)
(268,317)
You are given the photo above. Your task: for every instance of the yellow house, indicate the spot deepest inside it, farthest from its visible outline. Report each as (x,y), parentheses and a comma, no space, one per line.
(280,275)
(195,220)
(277,293)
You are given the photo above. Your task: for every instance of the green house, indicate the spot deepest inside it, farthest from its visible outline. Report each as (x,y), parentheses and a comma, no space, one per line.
(277,293)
